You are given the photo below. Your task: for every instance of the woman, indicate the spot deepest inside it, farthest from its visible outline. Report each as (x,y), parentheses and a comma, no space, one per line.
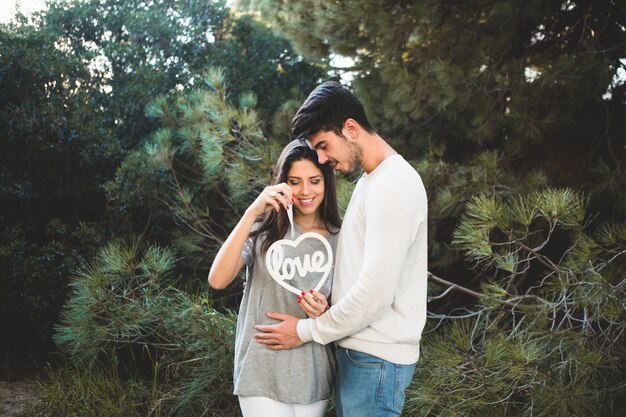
(294,382)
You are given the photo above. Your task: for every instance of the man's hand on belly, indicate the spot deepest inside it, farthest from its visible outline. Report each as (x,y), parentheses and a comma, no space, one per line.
(279,336)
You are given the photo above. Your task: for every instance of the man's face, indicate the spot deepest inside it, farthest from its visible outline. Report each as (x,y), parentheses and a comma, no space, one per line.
(339,152)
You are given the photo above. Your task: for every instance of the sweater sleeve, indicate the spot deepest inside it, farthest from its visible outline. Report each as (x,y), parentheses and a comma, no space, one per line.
(393,215)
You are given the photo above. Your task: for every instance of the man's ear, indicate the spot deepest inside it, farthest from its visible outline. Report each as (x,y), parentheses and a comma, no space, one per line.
(351,129)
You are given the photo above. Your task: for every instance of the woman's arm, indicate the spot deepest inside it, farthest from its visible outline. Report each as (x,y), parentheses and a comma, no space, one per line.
(228,261)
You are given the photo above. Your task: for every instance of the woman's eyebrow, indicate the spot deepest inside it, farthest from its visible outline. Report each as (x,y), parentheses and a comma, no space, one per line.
(298,178)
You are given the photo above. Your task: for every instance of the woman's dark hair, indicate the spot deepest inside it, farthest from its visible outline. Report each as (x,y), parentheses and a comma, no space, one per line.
(272,225)
(326,109)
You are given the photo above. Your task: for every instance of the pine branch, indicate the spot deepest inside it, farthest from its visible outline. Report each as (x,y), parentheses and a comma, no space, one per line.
(453,286)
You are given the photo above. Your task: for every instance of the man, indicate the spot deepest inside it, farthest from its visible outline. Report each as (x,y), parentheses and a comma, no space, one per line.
(379,290)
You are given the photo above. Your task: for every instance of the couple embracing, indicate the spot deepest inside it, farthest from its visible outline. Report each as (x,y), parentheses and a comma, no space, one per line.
(359,332)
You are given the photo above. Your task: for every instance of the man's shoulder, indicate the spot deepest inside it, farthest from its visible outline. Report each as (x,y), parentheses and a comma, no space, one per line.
(401,184)
(401,172)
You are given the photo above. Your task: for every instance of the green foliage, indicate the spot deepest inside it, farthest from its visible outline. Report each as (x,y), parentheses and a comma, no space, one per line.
(121,314)
(547,338)
(470,368)
(204,162)
(74,393)
(199,170)
(503,234)
(257,59)
(451,185)
(511,112)
(138,49)
(74,84)
(487,97)
(143,50)
(32,283)
(54,158)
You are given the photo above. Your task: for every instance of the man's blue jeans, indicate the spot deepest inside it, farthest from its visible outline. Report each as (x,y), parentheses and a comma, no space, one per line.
(367,386)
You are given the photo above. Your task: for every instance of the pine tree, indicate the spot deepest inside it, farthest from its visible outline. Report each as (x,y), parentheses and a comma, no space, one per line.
(198,173)
(513,114)
(547,336)
(74,85)
(197,168)
(122,313)
(511,111)
(528,89)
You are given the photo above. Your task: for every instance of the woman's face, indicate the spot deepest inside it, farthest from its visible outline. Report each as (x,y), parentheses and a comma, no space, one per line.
(307,183)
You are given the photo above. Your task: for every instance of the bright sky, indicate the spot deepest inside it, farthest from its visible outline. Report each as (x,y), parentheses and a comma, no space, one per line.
(7,8)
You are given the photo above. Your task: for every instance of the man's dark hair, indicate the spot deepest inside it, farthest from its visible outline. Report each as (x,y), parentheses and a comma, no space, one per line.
(326,109)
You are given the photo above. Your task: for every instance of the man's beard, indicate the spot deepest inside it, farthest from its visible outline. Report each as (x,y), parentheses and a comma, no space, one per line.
(354,157)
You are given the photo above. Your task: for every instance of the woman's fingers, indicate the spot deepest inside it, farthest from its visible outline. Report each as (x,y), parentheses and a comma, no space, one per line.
(307,308)
(273,197)
(281,194)
(320,299)
(286,191)
(269,200)
(313,303)
(282,199)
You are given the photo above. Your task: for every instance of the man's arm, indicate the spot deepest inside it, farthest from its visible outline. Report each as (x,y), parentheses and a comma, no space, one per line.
(392,220)
(393,216)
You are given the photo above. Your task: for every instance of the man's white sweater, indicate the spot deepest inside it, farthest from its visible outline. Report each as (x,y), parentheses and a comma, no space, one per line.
(380,279)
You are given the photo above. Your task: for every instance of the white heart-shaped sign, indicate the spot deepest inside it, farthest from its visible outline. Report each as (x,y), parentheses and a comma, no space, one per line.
(283,268)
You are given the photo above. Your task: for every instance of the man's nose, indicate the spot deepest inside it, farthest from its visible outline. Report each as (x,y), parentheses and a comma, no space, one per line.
(321,157)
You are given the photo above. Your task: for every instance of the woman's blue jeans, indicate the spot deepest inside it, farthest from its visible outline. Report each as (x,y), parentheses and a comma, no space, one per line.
(367,386)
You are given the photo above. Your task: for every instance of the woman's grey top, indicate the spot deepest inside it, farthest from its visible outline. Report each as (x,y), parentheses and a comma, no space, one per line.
(302,375)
